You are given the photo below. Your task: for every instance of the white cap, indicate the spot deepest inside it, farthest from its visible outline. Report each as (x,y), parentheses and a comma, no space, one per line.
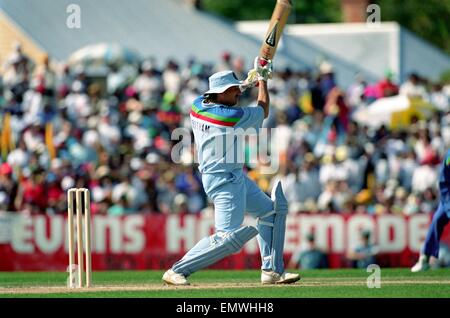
(221,81)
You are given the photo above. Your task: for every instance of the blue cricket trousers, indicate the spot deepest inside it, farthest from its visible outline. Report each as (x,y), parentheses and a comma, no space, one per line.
(233,194)
(440,220)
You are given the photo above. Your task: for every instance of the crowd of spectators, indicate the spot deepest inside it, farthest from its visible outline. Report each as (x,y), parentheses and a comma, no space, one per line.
(113,136)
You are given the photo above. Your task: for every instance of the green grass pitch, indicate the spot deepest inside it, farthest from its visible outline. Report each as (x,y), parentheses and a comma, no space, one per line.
(230,284)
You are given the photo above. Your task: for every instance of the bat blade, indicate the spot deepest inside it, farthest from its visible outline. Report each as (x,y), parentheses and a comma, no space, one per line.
(277,22)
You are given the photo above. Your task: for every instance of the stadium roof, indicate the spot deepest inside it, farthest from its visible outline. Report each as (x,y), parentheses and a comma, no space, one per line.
(362,48)
(160,28)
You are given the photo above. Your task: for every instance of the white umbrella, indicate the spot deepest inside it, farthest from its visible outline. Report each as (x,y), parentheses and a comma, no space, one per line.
(396,112)
(101,54)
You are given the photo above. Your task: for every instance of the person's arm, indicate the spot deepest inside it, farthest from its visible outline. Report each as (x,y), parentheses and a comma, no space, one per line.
(263,97)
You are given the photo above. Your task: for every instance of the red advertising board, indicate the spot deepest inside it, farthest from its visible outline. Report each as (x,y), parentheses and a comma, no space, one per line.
(152,241)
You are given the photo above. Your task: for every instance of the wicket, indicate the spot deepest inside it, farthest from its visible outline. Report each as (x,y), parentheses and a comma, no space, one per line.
(79,200)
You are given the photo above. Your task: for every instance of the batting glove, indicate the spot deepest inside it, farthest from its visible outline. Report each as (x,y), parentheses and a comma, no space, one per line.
(263,68)
(262,71)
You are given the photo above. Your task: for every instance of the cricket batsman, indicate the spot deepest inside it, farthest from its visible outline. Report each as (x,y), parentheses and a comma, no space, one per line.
(215,117)
(441,218)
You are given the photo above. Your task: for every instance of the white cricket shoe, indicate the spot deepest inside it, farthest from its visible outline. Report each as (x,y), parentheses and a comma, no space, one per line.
(271,277)
(172,278)
(422,264)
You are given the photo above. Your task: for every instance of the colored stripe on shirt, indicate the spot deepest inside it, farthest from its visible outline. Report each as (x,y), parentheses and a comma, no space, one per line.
(219,115)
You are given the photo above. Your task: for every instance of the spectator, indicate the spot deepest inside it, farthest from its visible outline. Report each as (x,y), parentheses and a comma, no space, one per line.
(8,188)
(119,207)
(385,87)
(425,176)
(363,253)
(225,62)
(438,98)
(171,78)
(309,257)
(306,185)
(149,85)
(413,88)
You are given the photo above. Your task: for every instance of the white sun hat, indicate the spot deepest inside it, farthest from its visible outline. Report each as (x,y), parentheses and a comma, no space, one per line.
(221,81)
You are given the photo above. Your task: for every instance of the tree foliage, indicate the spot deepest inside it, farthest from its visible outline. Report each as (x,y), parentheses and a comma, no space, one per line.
(427,18)
(317,11)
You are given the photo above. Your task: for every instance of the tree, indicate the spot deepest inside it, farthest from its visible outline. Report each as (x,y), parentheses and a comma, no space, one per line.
(317,11)
(427,18)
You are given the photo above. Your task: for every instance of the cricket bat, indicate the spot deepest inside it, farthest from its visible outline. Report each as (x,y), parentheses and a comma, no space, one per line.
(277,22)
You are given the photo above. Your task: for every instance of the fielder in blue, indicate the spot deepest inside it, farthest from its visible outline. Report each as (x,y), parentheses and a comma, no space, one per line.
(215,121)
(440,219)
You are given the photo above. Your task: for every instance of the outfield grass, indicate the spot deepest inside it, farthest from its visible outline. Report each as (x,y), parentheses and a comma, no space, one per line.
(231,284)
